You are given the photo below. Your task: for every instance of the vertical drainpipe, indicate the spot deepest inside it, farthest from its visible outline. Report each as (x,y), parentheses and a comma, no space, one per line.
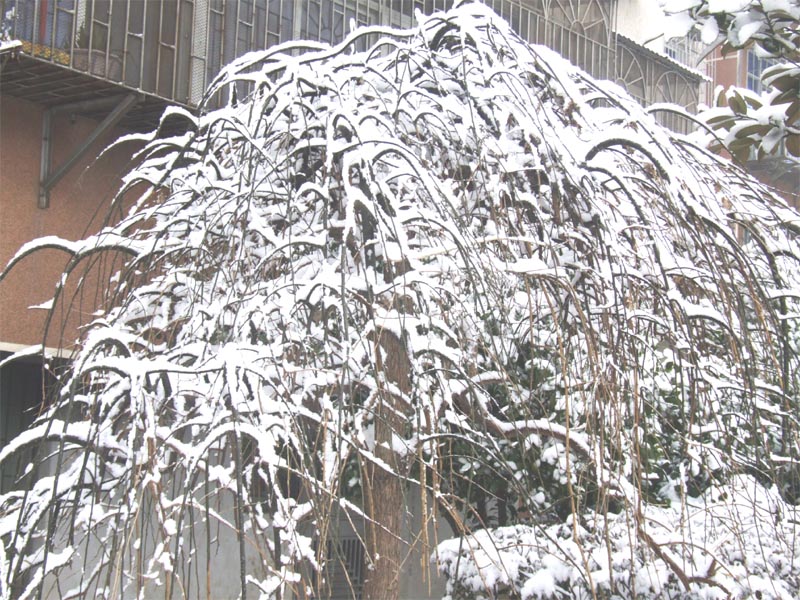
(199,56)
(47,153)
(614,26)
(42,22)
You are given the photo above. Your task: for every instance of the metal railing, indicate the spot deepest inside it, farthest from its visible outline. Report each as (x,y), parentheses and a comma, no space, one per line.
(173,48)
(653,79)
(125,41)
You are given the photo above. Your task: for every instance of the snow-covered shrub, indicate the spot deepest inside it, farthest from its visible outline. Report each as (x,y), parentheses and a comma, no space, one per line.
(718,552)
(452,260)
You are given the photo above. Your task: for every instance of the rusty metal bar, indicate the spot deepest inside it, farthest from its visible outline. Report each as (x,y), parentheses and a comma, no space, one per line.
(48,180)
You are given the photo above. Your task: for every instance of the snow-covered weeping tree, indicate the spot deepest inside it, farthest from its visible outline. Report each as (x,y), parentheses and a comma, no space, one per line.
(451,267)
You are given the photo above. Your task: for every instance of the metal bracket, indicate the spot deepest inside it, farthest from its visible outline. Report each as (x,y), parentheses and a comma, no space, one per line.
(49,177)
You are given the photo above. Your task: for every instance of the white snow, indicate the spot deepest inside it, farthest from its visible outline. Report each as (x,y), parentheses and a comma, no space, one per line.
(464,235)
(9,45)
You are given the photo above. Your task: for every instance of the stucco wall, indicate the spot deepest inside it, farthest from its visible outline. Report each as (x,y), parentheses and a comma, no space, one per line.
(78,204)
(641,21)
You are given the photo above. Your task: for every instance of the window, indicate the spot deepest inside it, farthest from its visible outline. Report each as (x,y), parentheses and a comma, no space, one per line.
(44,22)
(755,67)
(687,50)
(21,393)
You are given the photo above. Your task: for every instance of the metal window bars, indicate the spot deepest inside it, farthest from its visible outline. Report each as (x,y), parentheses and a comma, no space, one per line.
(344,569)
(651,78)
(756,66)
(173,48)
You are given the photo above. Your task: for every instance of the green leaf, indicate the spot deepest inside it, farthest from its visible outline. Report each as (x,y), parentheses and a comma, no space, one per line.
(793,144)
(737,104)
(751,130)
(793,112)
(721,121)
(785,97)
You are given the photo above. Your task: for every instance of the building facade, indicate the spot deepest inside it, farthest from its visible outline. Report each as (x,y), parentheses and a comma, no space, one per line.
(743,69)
(170,50)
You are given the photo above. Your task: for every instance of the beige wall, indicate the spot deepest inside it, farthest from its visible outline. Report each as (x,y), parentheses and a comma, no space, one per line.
(642,21)
(78,204)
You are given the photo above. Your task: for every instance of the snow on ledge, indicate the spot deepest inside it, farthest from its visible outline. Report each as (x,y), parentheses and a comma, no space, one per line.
(9,46)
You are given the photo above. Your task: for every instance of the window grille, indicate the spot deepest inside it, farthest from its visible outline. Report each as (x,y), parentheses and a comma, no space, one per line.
(174,48)
(687,50)
(344,570)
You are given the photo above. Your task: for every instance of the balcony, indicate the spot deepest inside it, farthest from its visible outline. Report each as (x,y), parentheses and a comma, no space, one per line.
(167,51)
(79,53)
(171,49)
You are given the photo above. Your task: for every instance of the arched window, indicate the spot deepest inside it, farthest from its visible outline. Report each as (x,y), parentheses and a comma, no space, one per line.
(631,74)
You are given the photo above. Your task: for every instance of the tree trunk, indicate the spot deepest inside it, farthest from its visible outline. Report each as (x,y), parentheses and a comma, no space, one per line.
(384,491)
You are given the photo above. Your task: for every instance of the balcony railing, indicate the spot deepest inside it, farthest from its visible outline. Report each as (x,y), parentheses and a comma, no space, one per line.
(131,42)
(655,79)
(173,48)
